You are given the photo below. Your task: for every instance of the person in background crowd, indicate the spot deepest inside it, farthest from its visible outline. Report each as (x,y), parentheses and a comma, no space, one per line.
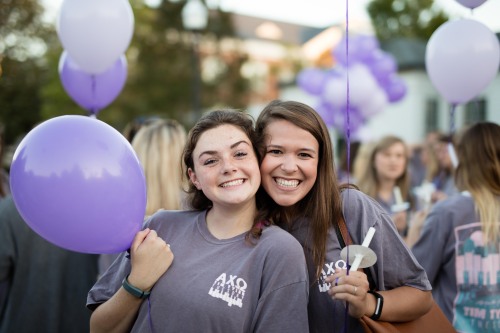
(232,270)
(303,197)
(131,129)
(159,146)
(46,285)
(4,176)
(460,239)
(387,179)
(443,179)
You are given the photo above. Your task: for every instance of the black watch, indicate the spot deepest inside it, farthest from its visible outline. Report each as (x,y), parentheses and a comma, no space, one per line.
(379,305)
(134,291)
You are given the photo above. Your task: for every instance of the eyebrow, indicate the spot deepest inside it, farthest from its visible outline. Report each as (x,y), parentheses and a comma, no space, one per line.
(306,149)
(213,152)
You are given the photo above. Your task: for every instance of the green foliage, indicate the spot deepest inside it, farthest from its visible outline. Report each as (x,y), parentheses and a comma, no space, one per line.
(415,19)
(22,35)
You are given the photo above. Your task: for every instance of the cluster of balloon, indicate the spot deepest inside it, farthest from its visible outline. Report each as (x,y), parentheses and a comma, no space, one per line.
(94,34)
(462,58)
(75,180)
(370,74)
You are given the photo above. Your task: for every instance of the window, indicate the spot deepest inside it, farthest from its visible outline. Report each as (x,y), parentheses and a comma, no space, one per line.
(475,111)
(431,115)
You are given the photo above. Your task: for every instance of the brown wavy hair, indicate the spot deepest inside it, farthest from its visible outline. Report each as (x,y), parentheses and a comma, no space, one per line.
(322,206)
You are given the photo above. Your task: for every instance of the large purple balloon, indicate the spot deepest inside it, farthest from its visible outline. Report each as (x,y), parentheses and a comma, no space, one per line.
(462,58)
(92,92)
(77,182)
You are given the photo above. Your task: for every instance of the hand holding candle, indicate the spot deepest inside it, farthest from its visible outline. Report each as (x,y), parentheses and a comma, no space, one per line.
(360,255)
(400,205)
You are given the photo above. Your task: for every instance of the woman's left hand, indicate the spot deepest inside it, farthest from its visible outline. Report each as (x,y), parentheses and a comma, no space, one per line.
(351,288)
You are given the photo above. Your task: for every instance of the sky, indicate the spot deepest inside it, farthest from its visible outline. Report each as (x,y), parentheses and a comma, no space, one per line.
(323,13)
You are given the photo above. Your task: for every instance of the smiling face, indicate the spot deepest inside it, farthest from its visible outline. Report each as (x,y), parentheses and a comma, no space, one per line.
(290,164)
(225,166)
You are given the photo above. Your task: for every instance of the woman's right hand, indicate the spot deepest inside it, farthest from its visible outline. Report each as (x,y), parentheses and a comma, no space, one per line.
(150,258)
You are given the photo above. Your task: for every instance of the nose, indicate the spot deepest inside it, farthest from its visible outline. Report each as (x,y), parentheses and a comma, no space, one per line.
(288,164)
(228,167)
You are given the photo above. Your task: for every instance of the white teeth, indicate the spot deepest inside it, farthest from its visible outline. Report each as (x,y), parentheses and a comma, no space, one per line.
(287,183)
(233,183)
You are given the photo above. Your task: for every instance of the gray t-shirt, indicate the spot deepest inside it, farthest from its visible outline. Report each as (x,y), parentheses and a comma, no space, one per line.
(218,285)
(395,264)
(464,272)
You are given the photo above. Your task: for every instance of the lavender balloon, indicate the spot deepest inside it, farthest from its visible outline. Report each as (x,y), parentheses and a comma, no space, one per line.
(92,92)
(77,182)
(471,3)
(312,80)
(462,59)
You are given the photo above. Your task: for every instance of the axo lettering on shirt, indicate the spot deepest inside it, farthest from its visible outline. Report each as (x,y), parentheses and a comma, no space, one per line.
(230,289)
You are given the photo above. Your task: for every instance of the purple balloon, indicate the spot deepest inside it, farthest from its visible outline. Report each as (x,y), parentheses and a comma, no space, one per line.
(367,47)
(92,92)
(471,3)
(382,65)
(312,80)
(342,122)
(78,183)
(395,88)
(361,48)
(354,52)
(326,113)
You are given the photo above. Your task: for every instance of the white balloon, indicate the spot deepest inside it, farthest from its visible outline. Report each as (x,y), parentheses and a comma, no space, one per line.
(335,91)
(362,85)
(376,103)
(462,58)
(95,33)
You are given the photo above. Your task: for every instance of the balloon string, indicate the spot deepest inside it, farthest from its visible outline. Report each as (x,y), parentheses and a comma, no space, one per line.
(93,86)
(452,118)
(149,315)
(348,116)
(451,148)
(348,145)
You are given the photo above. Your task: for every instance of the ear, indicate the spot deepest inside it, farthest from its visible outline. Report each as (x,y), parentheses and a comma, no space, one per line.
(193,178)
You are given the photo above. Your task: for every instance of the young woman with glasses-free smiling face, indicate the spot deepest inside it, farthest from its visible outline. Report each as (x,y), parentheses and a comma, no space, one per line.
(304,198)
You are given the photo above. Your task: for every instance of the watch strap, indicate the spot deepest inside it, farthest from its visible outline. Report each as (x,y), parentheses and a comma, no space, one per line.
(134,291)
(379,305)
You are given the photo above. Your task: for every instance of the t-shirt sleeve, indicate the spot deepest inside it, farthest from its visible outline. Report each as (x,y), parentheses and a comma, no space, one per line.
(282,306)
(396,265)
(109,283)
